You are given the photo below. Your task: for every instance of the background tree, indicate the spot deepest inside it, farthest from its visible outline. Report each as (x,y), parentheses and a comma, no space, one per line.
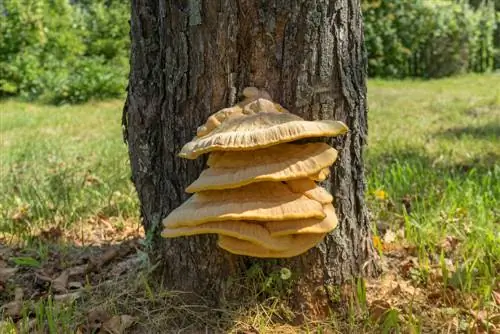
(192,58)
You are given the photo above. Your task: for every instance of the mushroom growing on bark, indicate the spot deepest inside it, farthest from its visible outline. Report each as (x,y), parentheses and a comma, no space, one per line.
(259,192)
(232,169)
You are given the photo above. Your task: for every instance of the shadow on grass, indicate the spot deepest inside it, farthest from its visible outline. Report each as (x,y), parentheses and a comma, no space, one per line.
(419,159)
(487,131)
(419,180)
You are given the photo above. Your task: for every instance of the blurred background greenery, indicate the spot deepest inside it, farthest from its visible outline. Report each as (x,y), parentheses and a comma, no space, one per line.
(64,51)
(71,51)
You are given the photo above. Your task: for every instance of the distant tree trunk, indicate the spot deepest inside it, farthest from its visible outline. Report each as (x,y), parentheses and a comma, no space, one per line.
(192,58)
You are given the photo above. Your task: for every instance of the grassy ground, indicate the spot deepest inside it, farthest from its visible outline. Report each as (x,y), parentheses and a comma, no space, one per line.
(433,189)
(61,165)
(434,153)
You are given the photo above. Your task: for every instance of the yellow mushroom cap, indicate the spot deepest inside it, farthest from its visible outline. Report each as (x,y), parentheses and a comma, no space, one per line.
(257,201)
(310,189)
(217,118)
(259,130)
(275,163)
(252,232)
(301,244)
(301,226)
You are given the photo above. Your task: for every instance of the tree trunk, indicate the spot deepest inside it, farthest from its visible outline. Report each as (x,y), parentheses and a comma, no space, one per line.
(192,58)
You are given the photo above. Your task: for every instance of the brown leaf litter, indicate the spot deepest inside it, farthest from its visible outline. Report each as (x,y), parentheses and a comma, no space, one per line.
(67,269)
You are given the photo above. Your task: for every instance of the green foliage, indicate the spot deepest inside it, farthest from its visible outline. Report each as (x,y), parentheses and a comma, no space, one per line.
(61,52)
(428,38)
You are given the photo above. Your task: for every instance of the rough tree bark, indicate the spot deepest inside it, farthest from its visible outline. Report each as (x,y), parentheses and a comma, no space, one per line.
(192,58)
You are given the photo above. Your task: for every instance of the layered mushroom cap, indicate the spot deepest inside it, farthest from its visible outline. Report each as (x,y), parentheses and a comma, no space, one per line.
(322,175)
(261,201)
(301,244)
(301,226)
(260,125)
(310,189)
(259,193)
(276,163)
(242,230)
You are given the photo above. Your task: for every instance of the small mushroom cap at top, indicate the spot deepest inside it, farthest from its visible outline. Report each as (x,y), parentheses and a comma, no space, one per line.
(301,244)
(245,107)
(261,129)
(252,232)
(232,169)
(257,201)
(217,118)
(301,226)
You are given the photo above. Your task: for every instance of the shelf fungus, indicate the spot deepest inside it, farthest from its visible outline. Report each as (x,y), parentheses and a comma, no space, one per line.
(259,193)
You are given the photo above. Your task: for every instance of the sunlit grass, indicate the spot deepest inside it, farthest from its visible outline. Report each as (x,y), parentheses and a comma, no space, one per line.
(60,165)
(432,170)
(434,151)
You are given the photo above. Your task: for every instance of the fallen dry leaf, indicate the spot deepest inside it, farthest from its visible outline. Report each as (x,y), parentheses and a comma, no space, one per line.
(484,320)
(389,237)
(449,243)
(61,282)
(52,234)
(75,285)
(43,277)
(118,324)
(408,265)
(20,214)
(14,308)
(496,297)
(78,270)
(443,298)
(378,308)
(68,297)
(125,266)
(98,262)
(400,233)
(96,317)
(6,273)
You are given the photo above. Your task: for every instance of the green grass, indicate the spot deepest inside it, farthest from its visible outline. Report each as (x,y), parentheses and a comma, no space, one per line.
(60,165)
(432,167)
(436,146)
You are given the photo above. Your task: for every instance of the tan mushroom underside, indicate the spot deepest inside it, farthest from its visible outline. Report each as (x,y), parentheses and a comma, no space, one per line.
(276,163)
(252,232)
(259,130)
(301,226)
(301,244)
(321,176)
(310,189)
(261,201)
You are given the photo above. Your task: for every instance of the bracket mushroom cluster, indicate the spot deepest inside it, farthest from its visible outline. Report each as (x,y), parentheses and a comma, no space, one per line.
(259,192)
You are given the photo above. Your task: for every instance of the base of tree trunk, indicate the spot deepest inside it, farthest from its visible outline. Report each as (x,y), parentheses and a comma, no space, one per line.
(190,59)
